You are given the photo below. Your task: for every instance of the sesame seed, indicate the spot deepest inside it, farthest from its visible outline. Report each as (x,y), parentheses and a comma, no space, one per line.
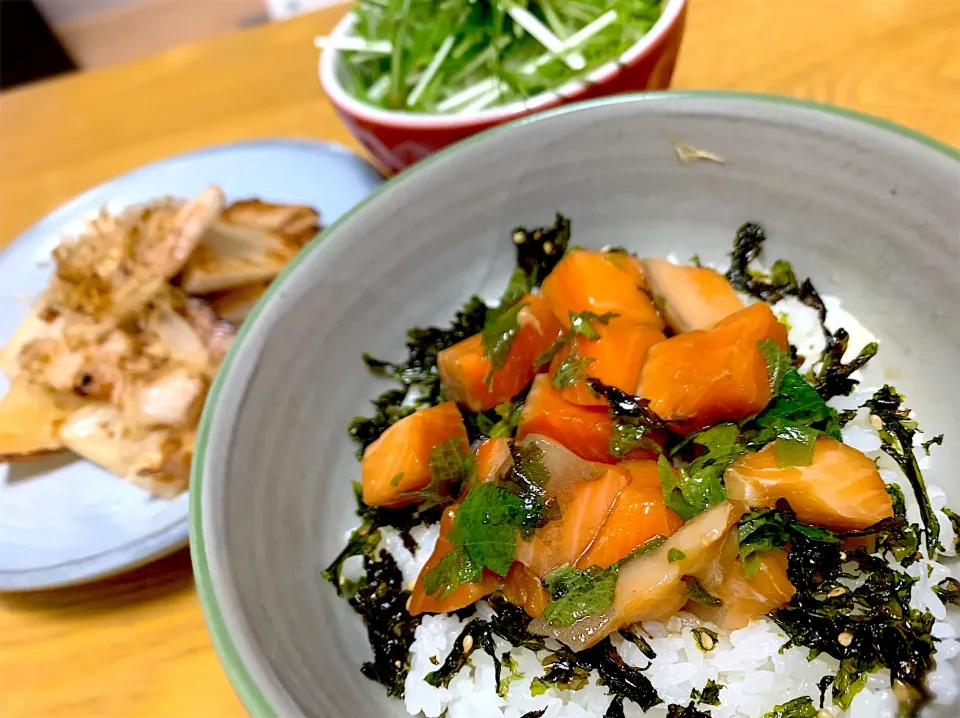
(876,422)
(838,591)
(398,664)
(845,639)
(548,247)
(706,640)
(843,555)
(467,643)
(519,237)
(408,603)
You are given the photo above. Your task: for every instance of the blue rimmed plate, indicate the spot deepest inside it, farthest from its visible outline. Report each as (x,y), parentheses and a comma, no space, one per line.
(63,520)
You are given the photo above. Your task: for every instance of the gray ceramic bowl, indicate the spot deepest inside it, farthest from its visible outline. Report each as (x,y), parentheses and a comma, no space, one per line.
(868,209)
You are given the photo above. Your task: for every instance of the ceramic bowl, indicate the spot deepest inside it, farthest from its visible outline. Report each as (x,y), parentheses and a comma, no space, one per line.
(866,208)
(398,139)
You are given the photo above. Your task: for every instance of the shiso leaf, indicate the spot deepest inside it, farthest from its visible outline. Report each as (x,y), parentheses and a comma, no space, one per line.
(578,594)
(572,371)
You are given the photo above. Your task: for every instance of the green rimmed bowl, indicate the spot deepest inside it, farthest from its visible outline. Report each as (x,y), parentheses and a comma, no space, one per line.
(867,208)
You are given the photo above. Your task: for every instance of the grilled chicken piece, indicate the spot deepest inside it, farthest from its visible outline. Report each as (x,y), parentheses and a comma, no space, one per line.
(157,460)
(30,420)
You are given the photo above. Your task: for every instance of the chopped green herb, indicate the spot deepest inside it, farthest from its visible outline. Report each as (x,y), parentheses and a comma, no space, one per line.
(498,334)
(508,416)
(395,481)
(710,695)
(705,639)
(777,360)
(938,440)
(690,494)
(581,323)
(451,468)
(629,435)
(488,521)
(675,554)
(695,261)
(572,371)
(698,593)
(578,594)
(794,445)
(802,707)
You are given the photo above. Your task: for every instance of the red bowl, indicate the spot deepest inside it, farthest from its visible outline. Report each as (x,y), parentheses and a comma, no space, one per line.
(398,139)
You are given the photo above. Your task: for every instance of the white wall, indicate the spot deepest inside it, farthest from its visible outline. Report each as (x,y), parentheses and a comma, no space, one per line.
(59,12)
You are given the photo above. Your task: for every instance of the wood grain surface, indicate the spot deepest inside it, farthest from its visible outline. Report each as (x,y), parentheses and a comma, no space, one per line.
(137,645)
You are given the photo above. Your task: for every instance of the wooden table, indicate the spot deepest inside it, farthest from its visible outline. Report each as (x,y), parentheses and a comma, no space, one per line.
(137,645)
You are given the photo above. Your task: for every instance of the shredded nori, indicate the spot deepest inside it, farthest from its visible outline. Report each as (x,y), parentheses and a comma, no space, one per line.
(534,714)
(832,377)
(639,642)
(948,590)
(476,634)
(615,709)
(624,405)
(897,436)
(417,374)
(709,695)
(689,711)
(382,604)
(539,250)
(866,628)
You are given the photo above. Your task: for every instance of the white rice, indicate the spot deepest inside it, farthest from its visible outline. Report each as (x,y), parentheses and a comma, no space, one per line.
(755,676)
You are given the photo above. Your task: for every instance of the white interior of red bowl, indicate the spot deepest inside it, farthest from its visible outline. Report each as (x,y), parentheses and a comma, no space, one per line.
(331,78)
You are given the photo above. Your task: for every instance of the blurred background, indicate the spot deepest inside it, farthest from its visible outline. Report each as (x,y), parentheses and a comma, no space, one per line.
(42,38)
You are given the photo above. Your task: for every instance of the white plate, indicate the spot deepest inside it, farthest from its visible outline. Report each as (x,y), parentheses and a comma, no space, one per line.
(64,520)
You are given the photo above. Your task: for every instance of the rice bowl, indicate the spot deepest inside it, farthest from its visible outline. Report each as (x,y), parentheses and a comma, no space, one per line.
(629,211)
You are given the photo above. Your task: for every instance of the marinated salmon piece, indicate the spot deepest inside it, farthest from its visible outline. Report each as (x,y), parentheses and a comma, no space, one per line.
(599,282)
(744,599)
(690,297)
(616,358)
(583,510)
(523,588)
(491,455)
(585,430)
(840,489)
(638,515)
(464,595)
(628,263)
(465,370)
(398,462)
(651,586)
(701,378)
